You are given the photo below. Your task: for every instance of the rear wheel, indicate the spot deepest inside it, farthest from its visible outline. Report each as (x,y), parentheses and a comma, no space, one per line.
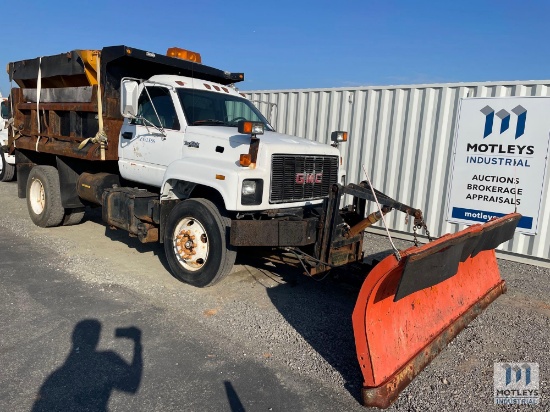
(196,243)
(7,171)
(44,196)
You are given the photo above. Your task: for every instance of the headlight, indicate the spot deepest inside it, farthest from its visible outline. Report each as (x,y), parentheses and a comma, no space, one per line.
(249,187)
(251,191)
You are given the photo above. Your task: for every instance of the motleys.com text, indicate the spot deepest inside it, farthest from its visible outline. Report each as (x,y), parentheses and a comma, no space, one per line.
(479,215)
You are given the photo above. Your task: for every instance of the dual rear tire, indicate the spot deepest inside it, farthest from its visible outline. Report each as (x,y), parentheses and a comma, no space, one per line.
(44,199)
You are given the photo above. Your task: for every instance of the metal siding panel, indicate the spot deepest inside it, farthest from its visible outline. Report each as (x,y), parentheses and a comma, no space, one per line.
(312,120)
(301,126)
(356,140)
(403,135)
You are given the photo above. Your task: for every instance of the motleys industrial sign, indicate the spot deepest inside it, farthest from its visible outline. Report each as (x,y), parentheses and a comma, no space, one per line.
(500,160)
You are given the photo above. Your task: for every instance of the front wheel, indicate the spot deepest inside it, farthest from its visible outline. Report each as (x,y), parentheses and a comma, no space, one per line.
(196,243)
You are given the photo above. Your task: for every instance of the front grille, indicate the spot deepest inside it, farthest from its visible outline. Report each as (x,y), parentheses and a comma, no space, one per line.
(284,171)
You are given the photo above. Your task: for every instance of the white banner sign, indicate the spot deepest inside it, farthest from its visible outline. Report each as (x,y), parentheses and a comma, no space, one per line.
(500,159)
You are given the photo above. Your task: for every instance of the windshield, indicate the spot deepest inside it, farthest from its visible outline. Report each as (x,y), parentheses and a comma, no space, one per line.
(5,110)
(209,108)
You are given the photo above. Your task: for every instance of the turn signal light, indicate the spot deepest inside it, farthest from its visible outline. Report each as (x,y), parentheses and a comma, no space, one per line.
(245,160)
(184,54)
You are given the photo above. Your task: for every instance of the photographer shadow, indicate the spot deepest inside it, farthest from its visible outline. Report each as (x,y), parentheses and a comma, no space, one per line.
(87,378)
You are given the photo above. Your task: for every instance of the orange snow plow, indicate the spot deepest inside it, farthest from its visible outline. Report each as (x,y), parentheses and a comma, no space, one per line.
(408,310)
(414,302)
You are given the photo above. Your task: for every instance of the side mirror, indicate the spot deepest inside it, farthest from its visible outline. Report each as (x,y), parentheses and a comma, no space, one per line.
(129,97)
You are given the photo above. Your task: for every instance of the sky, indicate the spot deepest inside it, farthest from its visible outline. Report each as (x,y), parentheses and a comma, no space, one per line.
(295,44)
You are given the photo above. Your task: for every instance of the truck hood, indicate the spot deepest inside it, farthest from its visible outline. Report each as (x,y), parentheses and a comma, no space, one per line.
(275,142)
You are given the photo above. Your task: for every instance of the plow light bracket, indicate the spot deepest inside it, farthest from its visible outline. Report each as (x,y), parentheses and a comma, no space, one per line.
(253,129)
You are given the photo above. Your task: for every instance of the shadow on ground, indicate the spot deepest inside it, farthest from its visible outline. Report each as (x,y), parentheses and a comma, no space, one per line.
(87,378)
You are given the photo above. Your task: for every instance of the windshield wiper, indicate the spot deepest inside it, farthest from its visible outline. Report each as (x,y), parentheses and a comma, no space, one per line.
(210,121)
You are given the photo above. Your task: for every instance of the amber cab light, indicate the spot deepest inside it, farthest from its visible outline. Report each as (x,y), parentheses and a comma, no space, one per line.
(245,160)
(184,54)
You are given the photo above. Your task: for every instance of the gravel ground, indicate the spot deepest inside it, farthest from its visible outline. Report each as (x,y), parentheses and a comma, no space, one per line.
(292,323)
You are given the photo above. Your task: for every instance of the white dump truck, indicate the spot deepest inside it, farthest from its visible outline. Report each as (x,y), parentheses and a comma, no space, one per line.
(173,153)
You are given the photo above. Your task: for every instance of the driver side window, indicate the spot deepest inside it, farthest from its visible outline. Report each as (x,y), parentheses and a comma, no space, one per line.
(161,101)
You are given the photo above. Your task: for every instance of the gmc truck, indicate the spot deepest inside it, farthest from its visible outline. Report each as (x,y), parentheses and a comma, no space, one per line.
(173,153)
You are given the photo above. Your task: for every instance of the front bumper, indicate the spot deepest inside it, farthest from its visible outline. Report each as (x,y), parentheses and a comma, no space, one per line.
(276,232)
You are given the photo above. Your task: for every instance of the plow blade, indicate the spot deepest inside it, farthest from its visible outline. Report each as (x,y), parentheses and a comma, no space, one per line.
(408,310)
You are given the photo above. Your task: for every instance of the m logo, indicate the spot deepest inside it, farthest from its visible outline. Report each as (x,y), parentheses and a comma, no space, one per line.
(516,383)
(514,373)
(504,116)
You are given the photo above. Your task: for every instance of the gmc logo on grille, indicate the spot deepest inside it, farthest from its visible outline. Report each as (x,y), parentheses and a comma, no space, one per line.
(303,178)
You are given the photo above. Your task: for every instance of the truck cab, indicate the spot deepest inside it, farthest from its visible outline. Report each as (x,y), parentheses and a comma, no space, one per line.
(180,131)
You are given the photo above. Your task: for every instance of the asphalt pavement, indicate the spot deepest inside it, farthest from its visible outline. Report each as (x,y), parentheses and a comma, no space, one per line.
(90,319)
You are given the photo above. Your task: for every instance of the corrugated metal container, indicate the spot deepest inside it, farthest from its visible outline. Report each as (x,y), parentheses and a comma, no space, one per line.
(403,137)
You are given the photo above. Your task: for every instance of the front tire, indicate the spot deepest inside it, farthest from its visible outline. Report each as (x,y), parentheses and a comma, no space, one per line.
(44,196)
(7,171)
(196,243)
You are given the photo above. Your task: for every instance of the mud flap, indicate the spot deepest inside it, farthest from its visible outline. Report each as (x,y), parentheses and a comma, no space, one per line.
(409,310)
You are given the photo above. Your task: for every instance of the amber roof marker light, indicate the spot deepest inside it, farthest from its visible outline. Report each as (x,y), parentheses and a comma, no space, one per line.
(184,54)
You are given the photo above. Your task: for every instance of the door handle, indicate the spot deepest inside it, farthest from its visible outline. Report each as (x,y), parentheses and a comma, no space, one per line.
(127,135)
